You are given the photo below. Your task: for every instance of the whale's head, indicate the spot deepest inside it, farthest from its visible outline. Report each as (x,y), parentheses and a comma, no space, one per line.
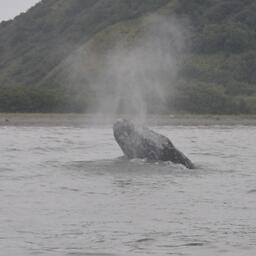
(125,135)
(123,129)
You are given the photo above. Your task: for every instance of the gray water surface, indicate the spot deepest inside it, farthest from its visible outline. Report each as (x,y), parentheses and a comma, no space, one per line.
(65,191)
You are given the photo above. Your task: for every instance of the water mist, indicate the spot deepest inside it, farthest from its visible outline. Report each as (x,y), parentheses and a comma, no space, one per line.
(135,77)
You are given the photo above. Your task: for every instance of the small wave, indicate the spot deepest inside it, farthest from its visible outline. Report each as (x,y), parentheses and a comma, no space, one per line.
(70,189)
(6,170)
(142,240)
(90,254)
(193,244)
(252,191)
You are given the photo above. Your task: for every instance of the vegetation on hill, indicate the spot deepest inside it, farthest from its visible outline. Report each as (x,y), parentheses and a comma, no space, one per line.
(217,74)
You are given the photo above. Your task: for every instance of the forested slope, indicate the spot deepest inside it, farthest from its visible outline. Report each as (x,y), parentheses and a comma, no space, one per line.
(216,75)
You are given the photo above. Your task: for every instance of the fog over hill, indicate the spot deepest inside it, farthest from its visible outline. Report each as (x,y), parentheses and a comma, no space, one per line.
(199,55)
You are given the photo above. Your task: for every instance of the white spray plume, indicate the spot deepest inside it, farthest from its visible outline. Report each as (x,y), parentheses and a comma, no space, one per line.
(138,78)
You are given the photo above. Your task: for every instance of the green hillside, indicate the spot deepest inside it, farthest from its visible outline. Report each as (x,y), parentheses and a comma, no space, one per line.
(219,75)
(38,48)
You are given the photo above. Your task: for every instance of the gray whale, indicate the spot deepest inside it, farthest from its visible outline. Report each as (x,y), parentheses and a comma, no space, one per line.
(141,142)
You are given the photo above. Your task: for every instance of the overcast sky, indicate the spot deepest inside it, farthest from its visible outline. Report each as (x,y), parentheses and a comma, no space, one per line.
(11,8)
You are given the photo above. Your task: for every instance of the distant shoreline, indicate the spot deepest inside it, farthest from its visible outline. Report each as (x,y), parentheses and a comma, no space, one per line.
(10,119)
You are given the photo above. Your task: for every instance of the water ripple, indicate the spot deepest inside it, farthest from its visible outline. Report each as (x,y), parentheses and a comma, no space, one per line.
(67,191)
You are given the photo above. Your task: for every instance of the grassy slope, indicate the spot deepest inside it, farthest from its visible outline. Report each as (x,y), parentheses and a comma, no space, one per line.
(87,60)
(212,80)
(217,76)
(35,42)
(34,45)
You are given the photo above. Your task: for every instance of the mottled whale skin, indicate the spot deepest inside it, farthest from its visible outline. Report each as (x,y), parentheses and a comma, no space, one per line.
(141,142)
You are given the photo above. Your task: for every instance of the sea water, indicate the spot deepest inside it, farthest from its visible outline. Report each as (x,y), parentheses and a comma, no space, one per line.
(65,191)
